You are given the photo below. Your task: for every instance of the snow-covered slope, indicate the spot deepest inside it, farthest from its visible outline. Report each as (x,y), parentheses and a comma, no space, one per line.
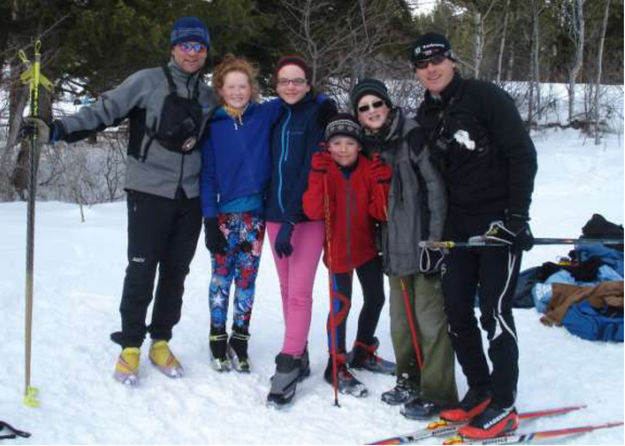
(79,269)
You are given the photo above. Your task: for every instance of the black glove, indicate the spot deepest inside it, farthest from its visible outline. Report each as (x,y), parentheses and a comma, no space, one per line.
(214,239)
(515,232)
(46,133)
(430,260)
(327,110)
(283,240)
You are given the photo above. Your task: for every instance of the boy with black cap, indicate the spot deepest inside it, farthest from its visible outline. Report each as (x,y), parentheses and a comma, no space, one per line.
(416,211)
(488,161)
(166,107)
(354,189)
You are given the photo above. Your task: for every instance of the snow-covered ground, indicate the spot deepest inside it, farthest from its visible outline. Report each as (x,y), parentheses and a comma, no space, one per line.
(79,269)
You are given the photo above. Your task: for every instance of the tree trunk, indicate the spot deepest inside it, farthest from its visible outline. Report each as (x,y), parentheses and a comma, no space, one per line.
(536,54)
(478,41)
(502,44)
(510,69)
(578,8)
(604,26)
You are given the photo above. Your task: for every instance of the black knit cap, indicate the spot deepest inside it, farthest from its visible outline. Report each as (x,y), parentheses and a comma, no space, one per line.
(429,45)
(297,61)
(343,124)
(369,86)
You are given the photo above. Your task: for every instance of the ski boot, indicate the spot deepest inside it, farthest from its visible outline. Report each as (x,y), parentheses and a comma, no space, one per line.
(346,382)
(403,392)
(420,409)
(364,356)
(473,404)
(127,366)
(284,381)
(304,371)
(492,422)
(237,350)
(218,342)
(164,360)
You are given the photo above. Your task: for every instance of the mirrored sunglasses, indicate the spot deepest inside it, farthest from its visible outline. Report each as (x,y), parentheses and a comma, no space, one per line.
(195,46)
(434,60)
(366,107)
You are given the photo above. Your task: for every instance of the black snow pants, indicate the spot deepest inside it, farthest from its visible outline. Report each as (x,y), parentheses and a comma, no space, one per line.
(162,232)
(491,273)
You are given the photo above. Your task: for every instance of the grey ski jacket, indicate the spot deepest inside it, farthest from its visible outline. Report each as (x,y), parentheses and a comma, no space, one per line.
(417,201)
(140,98)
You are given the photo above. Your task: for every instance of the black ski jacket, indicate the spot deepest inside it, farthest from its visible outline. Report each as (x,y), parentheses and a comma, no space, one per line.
(477,140)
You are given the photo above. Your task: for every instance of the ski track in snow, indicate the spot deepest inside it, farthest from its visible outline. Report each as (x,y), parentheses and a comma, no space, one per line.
(79,268)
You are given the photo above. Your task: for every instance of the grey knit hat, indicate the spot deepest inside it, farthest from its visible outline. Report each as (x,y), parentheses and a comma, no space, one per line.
(343,124)
(369,86)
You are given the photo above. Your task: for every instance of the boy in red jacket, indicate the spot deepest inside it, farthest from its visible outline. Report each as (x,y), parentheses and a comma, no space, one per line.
(349,192)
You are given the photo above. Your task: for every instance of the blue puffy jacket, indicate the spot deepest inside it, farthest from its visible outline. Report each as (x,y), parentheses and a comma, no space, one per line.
(295,137)
(236,159)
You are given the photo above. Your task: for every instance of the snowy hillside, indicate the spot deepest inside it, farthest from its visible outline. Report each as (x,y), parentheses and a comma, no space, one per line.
(79,269)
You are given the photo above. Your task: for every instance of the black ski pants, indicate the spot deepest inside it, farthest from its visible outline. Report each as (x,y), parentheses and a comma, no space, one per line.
(491,273)
(372,283)
(162,232)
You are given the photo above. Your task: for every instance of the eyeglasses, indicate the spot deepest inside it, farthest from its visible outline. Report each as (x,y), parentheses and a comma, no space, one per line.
(298,81)
(195,46)
(372,105)
(434,60)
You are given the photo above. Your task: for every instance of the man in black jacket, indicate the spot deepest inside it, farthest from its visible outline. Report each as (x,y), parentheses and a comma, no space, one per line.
(488,162)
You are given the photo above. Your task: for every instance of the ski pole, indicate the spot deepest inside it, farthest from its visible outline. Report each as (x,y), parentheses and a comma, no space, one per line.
(413,329)
(326,211)
(407,306)
(13,432)
(481,240)
(33,76)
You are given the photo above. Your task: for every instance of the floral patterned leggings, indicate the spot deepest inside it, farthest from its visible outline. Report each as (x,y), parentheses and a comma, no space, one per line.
(244,232)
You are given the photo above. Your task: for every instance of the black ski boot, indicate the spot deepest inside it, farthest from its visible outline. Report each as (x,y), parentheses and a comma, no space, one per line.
(305,365)
(420,409)
(346,382)
(218,342)
(365,356)
(403,392)
(284,381)
(237,349)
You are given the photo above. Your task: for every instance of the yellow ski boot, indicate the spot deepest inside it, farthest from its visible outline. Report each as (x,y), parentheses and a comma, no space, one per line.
(164,360)
(127,366)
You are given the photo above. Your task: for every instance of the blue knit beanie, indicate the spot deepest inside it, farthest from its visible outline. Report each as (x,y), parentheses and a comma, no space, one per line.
(189,29)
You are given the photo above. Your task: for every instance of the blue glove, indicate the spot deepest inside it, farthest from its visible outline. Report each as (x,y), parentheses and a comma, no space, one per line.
(283,240)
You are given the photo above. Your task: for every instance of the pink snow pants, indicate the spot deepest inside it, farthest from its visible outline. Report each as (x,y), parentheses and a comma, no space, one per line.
(297,275)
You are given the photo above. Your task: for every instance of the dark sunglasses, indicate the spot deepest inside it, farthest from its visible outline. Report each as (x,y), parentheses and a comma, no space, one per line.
(373,105)
(435,60)
(188,46)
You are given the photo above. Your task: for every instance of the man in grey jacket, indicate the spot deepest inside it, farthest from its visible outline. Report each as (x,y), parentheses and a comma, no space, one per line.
(166,107)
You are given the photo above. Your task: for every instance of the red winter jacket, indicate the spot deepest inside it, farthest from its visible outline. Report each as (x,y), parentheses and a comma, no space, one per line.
(354,203)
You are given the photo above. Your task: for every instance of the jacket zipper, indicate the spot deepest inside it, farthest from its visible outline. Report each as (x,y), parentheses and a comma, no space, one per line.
(182,154)
(349,236)
(283,158)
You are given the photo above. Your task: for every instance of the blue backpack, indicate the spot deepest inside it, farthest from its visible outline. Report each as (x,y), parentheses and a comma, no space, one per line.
(588,323)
